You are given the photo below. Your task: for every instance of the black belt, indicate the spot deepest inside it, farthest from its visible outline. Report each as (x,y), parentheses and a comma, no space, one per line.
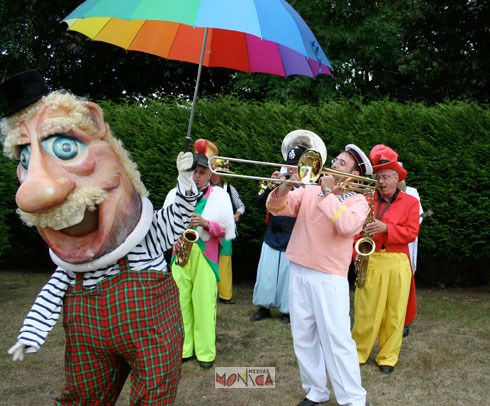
(282,228)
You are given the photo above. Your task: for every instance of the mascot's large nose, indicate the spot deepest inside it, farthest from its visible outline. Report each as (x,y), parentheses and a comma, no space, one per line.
(42,190)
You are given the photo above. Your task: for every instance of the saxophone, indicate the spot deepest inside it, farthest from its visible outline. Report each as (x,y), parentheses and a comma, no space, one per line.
(364,247)
(265,185)
(189,237)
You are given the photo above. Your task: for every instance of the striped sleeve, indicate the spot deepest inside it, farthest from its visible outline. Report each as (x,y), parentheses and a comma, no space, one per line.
(45,312)
(171,221)
(237,202)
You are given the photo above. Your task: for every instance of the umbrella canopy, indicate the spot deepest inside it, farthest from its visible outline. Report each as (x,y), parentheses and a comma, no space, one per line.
(266,36)
(226,49)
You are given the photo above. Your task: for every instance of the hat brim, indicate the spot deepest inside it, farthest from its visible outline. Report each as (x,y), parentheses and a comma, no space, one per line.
(402,173)
(22,104)
(202,160)
(218,170)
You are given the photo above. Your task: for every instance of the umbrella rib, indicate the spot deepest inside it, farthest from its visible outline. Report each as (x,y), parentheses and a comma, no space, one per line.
(136,35)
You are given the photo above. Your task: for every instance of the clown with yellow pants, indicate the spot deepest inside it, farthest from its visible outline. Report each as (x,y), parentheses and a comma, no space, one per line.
(380,306)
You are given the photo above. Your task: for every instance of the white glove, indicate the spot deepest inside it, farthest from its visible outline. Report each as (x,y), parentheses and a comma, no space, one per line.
(184,164)
(17,351)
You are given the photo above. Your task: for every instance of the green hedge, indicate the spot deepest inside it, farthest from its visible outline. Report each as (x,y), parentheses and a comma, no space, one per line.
(445,149)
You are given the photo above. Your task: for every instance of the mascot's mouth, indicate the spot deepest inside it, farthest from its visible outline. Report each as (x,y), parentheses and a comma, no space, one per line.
(89,224)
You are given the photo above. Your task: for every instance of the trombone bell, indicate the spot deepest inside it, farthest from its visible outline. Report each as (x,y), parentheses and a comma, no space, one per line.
(309,166)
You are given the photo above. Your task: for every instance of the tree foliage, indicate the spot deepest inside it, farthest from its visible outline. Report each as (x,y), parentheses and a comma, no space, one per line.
(444,148)
(406,50)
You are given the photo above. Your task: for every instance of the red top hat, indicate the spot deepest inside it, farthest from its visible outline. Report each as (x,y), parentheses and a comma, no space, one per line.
(384,157)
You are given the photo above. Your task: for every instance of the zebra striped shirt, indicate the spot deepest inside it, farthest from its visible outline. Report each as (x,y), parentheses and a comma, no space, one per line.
(167,226)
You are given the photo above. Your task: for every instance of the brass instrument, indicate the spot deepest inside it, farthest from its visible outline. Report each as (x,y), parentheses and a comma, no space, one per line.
(309,165)
(304,138)
(364,247)
(189,237)
(264,185)
(355,183)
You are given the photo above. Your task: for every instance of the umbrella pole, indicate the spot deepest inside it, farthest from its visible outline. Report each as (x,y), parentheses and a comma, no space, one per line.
(188,137)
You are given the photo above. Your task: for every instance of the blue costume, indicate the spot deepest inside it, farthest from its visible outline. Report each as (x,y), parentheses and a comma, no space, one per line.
(272,283)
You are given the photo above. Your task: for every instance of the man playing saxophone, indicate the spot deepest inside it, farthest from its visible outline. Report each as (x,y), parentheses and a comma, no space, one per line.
(381,305)
(197,278)
(320,250)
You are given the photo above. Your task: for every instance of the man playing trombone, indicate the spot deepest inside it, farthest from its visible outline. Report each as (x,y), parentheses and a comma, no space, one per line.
(320,249)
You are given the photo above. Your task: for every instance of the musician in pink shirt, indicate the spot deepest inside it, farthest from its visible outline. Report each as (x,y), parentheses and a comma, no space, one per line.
(320,250)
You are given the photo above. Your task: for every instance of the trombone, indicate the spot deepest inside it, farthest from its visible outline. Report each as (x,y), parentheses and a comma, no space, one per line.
(309,169)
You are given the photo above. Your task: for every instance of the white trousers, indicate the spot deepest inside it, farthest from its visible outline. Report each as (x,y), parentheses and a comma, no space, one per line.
(320,325)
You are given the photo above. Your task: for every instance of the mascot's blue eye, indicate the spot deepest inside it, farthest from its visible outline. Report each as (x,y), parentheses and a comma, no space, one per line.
(63,146)
(25,156)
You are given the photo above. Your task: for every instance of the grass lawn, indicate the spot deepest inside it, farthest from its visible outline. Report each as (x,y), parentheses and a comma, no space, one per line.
(444,361)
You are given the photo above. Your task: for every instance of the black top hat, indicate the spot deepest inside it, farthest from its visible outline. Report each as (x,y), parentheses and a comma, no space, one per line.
(22,90)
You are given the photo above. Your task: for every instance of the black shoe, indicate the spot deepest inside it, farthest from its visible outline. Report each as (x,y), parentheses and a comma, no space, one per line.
(285,318)
(406,331)
(307,402)
(386,369)
(186,359)
(206,364)
(262,313)
(227,301)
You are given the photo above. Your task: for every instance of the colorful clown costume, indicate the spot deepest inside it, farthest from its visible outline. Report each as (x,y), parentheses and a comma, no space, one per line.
(197,280)
(131,293)
(381,305)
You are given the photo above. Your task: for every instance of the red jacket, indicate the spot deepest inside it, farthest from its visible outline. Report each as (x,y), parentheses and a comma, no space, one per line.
(402,220)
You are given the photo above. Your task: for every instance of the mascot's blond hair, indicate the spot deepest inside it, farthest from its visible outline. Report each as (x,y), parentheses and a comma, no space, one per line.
(80,117)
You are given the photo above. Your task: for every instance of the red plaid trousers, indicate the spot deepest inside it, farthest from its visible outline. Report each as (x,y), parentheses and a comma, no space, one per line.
(130,323)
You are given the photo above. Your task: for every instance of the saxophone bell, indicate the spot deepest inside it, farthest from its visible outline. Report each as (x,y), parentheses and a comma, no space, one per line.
(365,246)
(189,237)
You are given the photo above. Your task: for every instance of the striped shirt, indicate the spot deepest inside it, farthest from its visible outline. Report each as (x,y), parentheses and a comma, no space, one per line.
(167,226)
(238,205)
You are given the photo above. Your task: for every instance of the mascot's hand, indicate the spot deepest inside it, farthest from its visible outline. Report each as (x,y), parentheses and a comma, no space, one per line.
(17,351)
(185,161)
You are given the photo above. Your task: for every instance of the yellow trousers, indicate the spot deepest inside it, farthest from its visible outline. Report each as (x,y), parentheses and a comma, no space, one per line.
(225,287)
(380,307)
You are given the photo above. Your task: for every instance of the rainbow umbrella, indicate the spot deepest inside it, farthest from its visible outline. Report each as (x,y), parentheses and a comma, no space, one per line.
(266,36)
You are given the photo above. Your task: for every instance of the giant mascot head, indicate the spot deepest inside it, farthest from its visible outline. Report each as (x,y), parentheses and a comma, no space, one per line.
(77,183)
